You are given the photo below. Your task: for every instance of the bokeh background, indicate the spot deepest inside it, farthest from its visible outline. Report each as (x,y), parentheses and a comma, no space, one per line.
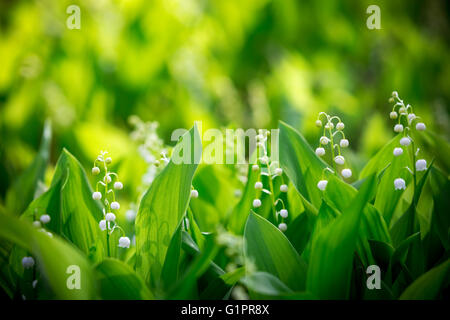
(233,63)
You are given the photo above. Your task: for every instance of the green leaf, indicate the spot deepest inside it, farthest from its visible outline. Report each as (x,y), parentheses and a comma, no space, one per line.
(270,251)
(169,273)
(53,257)
(24,188)
(330,264)
(117,281)
(383,157)
(265,285)
(163,206)
(429,285)
(296,157)
(79,213)
(238,217)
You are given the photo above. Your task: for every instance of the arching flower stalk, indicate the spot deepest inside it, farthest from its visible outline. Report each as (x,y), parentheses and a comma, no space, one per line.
(406,120)
(104,190)
(270,169)
(332,131)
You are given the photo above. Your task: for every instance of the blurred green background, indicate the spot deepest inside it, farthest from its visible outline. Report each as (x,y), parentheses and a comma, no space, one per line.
(240,63)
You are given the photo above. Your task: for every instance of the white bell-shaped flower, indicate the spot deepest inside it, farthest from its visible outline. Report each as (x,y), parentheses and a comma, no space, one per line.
(28,262)
(102,225)
(284,213)
(115,205)
(343,143)
(256,203)
(399,184)
(405,141)
(194,193)
(110,217)
(322,184)
(96,195)
(398,127)
(320,151)
(346,173)
(124,242)
(420,126)
(282,226)
(398,151)
(421,165)
(118,185)
(258,185)
(284,188)
(339,160)
(45,218)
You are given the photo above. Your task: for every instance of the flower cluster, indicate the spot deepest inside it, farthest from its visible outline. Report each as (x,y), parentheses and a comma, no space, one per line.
(109,178)
(271,170)
(332,131)
(406,119)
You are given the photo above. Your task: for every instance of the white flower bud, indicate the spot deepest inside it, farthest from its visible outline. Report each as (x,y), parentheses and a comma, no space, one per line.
(320,151)
(37,224)
(282,226)
(256,203)
(255,167)
(278,171)
(402,110)
(322,184)
(96,195)
(398,128)
(110,217)
(28,262)
(45,218)
(399,184)
(124,242)
(107,179)
(329,125)
(405,141)
(393,115)
(324,140)
(420,126)
(95,171)
(118,185)
(346,173)
(34,284)
(340,126)
(318,123)
(108,160)
(343,143)
(102,225)
(130,215)
(258,185)
(411,117)
(339,160)
(194,193)
(238,193)
(395,94)
(284,188)
(115,205)
(421,165)
(398,151)
(284,213)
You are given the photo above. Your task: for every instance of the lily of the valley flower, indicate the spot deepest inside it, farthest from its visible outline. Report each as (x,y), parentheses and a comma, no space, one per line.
(421,165)
(398,128)
(322,184)
(28,262)
(124,242)
(420,126)
(398,151)
(320,151)
(339,160)
(95,171)
(284,188)
(102,225)
(194,193)
(346,173)
(110,216)
(282,226)
(256,203)
(258,185)
(96,195)
(45,218)
(115,205)
(284,213)
(405,141)
(118,185)
(399,184)
(343,143)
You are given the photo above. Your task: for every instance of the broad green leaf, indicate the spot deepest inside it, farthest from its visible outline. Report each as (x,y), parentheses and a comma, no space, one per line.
(220,287)
(265,285)
(238,217)
(296,157)
(163,206)
(24,188)
(79,214)
(330,264)
(270,251)
(383,157)
(117,281)
(429,285)
(169,273)
(54,257)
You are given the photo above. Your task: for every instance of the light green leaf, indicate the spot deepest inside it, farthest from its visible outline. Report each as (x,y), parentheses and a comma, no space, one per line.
(429,285)
(330,264)
(53,257)
(296,157)
(270,251)
(24,188)
(80,214)
(163,206)
(117,281)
